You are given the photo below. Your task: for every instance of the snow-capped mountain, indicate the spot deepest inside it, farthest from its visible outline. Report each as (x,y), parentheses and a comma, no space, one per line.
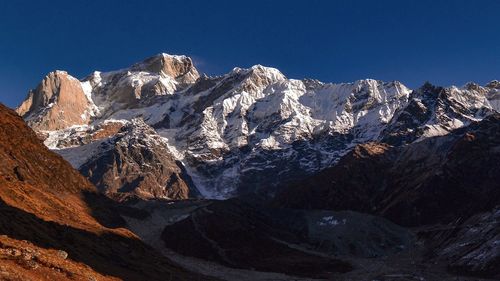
(248,130)
(436,111)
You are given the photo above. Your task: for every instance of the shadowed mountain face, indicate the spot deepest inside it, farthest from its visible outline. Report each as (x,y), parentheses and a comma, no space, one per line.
(135,161)
(247,236)
(468,246)
(235,234)
(448,187)
(65,223)
(436,180)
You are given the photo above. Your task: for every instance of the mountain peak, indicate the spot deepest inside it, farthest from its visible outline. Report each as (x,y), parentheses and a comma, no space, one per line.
(175,66)
(259,75)
(428,89)
(58,102)
(472,86)
(495,84)
(257,68)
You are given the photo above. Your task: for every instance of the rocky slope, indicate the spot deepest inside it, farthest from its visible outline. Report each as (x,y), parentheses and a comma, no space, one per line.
(436,111)
(239,240)
(251,129)
(242,239)
(434,180)
(255,247)
(468,246)
(447,186)
(134,160)
(55,226)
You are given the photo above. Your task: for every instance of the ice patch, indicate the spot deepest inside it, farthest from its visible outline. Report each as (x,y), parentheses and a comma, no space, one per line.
(331,221)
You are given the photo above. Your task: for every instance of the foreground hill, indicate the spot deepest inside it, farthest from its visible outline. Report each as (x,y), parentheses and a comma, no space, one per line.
(55,226)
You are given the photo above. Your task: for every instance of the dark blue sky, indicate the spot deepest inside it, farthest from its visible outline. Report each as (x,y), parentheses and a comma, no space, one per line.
(445,42)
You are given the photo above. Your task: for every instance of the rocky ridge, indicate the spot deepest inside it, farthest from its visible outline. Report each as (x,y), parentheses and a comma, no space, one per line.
(134,161)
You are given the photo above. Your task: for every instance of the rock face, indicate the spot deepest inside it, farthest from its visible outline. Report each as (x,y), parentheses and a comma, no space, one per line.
(180,68)
(58,102)
(252,129)
(54,225)
(134,161)
(469,246)
(362,174)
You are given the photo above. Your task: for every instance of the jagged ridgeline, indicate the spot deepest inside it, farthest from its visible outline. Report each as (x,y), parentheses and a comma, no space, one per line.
(160,130)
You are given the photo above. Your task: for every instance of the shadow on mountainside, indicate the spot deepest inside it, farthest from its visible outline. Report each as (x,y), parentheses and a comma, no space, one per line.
(235,234)
(108,211)
(106,253)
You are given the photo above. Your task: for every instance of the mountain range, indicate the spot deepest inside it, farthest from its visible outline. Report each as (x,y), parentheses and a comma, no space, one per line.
(243,132)
(160,171)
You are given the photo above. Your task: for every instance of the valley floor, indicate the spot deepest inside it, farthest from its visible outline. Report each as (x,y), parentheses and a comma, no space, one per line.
(410,264)
(401,267)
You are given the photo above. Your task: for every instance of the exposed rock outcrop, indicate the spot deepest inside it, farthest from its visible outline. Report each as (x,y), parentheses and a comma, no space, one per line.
(134,161)
(180,68)
(57,103)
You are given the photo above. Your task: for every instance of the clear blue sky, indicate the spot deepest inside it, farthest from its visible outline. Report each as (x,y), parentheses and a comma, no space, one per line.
(445,42)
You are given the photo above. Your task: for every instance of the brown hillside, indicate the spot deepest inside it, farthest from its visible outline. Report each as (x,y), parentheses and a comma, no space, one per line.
(55,226)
